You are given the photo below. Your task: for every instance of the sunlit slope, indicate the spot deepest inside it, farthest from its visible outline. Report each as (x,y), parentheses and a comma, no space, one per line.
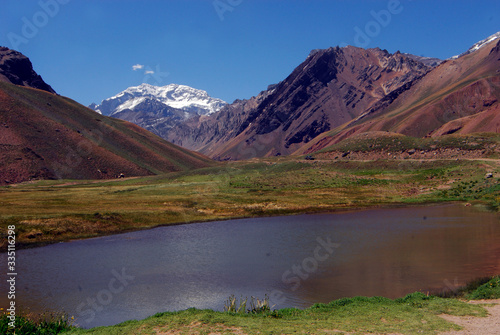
(459,96)
(46,136)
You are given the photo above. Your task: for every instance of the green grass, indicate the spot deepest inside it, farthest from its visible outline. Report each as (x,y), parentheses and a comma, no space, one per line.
(415,313)
(488,290)
(399,143)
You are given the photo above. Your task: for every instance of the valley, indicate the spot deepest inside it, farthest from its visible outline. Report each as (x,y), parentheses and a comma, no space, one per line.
(348,129)
(48,212)
(358,174)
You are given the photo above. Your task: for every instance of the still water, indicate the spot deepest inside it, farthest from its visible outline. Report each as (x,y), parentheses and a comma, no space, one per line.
(296,260)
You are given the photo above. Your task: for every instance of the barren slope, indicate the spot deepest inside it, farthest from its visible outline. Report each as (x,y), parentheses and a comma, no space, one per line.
(459,96)
(45,136)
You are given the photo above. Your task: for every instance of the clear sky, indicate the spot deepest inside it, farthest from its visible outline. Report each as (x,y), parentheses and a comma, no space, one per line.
(90,50)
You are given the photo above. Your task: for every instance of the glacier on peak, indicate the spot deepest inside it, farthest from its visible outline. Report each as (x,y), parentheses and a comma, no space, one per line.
(479,45)
(190,100)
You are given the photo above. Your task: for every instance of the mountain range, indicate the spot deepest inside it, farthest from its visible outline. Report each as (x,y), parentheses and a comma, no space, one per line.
(159,109)
(330,88)
(334,91)
(334,94)
(460,96)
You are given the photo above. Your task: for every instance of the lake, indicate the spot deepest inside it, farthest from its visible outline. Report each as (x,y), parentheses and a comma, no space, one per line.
(295,260)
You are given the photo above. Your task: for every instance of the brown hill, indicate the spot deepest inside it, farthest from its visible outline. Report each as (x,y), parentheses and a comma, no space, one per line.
(45,136)
(459,96)
(330,88)
(17,69)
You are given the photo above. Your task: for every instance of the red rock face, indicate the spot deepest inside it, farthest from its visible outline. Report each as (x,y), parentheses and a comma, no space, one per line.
(331,87)
(17,69)
(459,96)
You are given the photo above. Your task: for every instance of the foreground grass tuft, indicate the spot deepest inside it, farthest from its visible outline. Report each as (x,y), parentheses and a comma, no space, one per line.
(257,306)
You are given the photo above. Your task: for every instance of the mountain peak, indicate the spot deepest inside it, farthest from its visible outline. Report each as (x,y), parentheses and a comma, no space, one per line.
(479,45)
(41,131)
(188,99)
(16,68)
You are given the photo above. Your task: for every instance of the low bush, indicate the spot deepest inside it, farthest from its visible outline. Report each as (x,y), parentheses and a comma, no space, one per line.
(35,325)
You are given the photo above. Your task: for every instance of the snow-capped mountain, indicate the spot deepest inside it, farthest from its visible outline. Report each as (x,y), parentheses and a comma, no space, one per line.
(190,100)
(479,45)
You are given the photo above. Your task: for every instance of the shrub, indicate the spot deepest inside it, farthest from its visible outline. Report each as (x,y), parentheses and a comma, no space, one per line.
(489,290)
(39,325)
(257,306)
(233,306)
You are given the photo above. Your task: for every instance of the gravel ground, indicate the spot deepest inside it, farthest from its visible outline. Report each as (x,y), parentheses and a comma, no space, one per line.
(489,325)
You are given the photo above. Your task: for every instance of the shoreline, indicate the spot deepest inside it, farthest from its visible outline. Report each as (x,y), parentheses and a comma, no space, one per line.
(474,307)
(22,246)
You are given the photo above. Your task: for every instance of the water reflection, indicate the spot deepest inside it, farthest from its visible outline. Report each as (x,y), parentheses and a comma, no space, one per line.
(379,252)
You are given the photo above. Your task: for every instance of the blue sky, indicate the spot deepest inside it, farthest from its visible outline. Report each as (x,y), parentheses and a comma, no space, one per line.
(87,49)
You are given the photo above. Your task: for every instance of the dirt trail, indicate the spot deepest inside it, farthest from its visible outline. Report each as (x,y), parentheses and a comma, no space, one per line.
(489,325)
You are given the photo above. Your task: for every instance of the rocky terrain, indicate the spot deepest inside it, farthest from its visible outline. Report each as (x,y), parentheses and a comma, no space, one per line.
(207,133)
(15,68)
(460,96)
(330,88)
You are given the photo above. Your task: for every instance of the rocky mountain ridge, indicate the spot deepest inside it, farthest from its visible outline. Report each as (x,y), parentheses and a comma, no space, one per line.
(330,88)
(335,89)
(15,68)
(461,96)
